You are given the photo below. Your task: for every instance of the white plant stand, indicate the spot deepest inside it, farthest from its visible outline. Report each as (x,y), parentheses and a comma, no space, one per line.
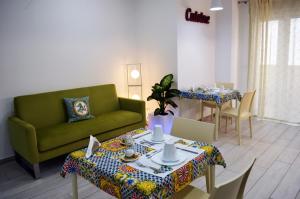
(165,120)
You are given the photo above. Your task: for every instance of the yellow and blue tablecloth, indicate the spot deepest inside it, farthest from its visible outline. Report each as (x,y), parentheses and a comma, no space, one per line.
(211,95)
(106,171)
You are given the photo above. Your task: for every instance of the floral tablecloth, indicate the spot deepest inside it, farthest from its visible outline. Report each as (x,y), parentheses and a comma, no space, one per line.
(216,96)
(106,171)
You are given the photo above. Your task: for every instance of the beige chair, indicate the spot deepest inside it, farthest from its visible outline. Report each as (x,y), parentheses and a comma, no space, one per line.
(199,131)
(227,85)
(232,189)
(243,112)
(193,130)
(212,105)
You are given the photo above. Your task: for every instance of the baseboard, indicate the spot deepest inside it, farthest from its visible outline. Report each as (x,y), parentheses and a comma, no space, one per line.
(5,160)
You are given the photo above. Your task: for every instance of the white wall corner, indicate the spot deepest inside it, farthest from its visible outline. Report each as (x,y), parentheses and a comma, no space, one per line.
(235,43)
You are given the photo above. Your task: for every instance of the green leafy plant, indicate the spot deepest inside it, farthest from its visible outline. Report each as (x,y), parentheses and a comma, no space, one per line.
(163,94)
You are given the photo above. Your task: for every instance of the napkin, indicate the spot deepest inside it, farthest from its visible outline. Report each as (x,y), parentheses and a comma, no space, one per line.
(93,144)
(141,134)
(187,148)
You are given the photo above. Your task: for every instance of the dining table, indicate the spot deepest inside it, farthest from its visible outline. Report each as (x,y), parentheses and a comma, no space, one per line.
(143,178)
(217,95)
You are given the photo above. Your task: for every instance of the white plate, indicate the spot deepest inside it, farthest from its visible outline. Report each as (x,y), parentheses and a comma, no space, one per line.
(149,138)
(158,159)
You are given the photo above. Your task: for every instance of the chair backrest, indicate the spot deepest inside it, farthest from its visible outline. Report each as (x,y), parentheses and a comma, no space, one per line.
(233,189)
(227,85)
(244,181)
(246,102)
(193,130)
(48,109)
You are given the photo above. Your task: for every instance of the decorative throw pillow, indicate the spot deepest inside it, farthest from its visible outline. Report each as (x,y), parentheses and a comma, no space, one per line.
(78,109)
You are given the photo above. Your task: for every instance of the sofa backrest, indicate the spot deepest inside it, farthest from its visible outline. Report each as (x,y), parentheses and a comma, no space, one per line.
(47,109)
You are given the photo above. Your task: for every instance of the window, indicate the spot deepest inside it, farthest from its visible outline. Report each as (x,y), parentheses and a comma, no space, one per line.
(272,42)
(294,43)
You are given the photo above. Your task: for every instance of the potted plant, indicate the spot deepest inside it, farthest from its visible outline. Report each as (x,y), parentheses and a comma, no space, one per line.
(163,94)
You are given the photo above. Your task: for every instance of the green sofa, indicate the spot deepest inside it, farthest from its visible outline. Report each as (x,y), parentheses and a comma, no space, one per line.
(39,131)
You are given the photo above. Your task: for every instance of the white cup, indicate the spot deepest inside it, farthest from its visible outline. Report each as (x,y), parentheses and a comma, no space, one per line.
(158,134)
(169,152)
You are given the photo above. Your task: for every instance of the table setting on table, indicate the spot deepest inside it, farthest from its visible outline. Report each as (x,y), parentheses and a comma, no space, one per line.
(218,95)
(168,153)
(143,163)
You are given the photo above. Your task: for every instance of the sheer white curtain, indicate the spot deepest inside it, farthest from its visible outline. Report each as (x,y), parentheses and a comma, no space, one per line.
(274,65)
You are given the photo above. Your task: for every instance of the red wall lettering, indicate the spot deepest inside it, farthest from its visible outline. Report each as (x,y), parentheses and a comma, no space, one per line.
(196,17)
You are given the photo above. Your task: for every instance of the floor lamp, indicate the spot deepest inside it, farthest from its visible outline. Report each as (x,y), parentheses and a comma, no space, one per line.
(134,81)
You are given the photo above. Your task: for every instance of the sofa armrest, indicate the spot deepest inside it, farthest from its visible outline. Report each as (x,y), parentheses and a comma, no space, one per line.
(23,139)
(138,106)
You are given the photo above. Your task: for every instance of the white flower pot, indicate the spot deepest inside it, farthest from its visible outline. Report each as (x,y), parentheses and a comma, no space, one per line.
(165,120)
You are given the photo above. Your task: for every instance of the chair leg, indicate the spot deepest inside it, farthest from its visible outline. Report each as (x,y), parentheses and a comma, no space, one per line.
(226,124)
(201,112)
(211,114)
(250,125)
(236,124)
(239,131)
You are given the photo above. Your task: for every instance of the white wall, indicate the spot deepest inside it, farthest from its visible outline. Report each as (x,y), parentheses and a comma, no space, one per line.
(169,44)
(60,44)
(196,46)
(196,53)
(243,46)
(157,42)
(235,43)
(223,42)
(226,38)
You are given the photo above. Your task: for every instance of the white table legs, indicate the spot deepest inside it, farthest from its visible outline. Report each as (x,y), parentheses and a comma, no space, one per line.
(210,178)
(74,186)
(201,110)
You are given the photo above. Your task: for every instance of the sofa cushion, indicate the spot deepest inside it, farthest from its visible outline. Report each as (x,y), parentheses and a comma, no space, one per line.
(78,109)
(65,133)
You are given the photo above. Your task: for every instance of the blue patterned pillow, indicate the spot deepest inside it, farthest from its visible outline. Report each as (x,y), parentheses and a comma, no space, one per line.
(78,109)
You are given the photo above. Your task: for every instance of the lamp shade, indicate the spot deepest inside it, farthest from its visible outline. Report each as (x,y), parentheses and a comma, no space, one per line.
(216,5)
(134,74)
(134,81)
(135,92)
